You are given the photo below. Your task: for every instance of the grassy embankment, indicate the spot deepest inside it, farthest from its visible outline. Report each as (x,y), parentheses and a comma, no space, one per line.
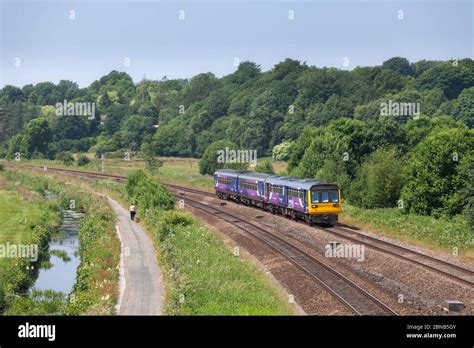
(25,219)
(96,289)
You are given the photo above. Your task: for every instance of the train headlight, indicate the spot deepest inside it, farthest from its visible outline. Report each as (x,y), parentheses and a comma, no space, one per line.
(314,206)
(335,205)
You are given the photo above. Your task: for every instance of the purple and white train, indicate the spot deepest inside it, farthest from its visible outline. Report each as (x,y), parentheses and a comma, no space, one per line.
(307,199)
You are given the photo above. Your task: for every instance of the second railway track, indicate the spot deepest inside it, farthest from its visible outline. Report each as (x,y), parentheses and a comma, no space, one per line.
(348,292)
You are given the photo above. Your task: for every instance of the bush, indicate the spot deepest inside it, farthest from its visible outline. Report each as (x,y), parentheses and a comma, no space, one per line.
(282,151)
(65,157)
(265,167)
(169,220)
(83,160)
(152,164)
(147,192)
(209,162)
(379,180)
(432,179)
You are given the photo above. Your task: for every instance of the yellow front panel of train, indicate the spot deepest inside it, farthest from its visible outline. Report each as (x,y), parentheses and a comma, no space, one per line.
(322,207)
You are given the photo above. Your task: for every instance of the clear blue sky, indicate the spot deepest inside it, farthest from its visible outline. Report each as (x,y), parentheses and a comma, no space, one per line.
(52,47)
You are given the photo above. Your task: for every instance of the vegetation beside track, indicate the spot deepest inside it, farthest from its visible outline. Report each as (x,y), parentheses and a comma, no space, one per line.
(441,233)
(96,287)
(451,235)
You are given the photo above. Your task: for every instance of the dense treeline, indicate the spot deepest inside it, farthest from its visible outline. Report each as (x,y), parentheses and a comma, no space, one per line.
(396,134)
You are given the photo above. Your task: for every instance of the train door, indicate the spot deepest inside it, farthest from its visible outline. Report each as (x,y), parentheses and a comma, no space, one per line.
(283,196)
(261,189)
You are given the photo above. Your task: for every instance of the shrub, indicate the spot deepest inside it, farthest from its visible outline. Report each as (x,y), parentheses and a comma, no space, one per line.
(265,167)
(147,192)
(169,220)
(432,178)
(152,164)
(379,180)
(83,160)
(281,152)
(65,157)
(209,161)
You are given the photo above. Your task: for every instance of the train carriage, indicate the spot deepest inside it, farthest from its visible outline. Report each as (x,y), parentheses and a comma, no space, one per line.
(309,199)
(225,182)
(251,187)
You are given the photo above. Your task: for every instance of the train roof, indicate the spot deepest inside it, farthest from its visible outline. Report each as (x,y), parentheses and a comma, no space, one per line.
(296,183)
(254,176)
(289,181)
(281,180)
(228,172)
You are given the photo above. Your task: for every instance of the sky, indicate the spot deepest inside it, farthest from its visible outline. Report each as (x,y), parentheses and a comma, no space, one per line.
(42,40)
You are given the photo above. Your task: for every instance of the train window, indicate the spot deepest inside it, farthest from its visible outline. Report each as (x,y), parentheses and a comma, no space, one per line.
(248,185)
(325,196)
(277,189)
(301,195)
(315,197)
(225,181)
(334,196)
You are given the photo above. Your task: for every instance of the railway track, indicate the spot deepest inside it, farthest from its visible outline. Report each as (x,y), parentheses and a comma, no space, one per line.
(455,272)
(348,292)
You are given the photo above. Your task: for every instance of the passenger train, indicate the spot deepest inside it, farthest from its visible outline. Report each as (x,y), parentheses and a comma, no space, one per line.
(307,199)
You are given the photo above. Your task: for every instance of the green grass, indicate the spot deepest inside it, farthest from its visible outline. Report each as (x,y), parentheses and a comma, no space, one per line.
(25,218)
(207,278)
(16,215)
(420,230)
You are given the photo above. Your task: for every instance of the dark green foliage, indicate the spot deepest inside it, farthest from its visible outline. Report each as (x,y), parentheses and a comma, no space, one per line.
(134,129)
(245,72)
(146,192)
(452,77)
(209,161)
(379,180)
(253,109)
(152,163)
(432,178)
(36,138)
(466,174)
(65,157)
(264,167)
(398,64)
(463,107)
(83,160)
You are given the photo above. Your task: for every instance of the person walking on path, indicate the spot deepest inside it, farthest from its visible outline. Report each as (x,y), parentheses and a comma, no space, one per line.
(133,212)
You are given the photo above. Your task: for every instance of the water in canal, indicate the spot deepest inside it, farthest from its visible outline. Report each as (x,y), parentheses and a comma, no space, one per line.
(61,276)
